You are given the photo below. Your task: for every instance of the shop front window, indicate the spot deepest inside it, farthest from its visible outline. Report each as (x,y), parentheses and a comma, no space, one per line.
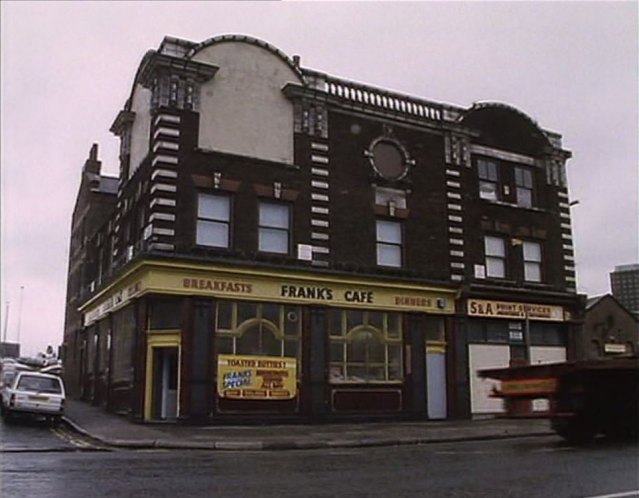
(365,347)
(257,329)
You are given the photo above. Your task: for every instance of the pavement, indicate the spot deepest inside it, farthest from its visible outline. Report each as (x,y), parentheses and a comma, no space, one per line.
(117,431)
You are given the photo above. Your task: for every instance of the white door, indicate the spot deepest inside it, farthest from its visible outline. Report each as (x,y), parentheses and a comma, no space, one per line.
(436,384)
(168,380)
(481,356)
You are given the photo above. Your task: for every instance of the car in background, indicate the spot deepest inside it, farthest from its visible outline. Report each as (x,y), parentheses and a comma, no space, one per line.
(33,394)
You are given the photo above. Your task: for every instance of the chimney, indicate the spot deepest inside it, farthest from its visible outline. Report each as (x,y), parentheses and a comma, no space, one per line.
(93,164)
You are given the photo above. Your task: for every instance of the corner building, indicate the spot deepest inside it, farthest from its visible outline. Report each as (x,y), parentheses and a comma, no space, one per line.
(289,245)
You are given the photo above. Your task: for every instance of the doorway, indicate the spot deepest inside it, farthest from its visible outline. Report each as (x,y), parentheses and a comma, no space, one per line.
(436,380)
(165,383)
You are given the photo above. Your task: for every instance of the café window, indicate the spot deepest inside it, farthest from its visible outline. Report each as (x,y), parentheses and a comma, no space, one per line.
(532,261)
(389,243)
(488,179)
(260,329)
(274,228)
(365,346)
(495,253)
(524,186)
(213,220)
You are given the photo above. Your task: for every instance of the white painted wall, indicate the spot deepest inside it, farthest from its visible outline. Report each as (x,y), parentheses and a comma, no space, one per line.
(547,354)
(141,106)
(242,109)
(482,356)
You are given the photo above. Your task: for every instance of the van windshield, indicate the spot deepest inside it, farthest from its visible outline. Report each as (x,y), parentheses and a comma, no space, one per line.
(39,384)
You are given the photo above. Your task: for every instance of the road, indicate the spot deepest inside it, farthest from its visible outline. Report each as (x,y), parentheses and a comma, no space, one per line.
(37,461)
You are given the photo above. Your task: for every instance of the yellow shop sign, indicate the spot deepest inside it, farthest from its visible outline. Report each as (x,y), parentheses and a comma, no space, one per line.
(515,311)
(256,377)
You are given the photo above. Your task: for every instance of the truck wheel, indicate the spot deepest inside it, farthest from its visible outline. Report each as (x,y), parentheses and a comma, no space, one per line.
(574,430)
(621,431)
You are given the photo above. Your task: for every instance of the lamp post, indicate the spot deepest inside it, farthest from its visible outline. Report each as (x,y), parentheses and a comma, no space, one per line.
(20,312)
(6,322)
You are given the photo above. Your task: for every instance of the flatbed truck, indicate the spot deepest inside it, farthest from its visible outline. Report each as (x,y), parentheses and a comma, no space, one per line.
(585,398)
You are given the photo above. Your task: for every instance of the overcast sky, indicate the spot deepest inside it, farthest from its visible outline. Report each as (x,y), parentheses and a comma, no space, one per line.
(67,69)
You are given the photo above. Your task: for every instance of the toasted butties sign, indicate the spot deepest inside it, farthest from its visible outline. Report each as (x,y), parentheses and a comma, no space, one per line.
(256,377)
(272,287)
(515,311)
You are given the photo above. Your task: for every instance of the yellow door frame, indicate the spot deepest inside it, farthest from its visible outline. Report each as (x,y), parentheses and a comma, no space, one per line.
(164,339)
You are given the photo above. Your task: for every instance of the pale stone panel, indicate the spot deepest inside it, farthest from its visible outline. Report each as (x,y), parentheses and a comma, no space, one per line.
(242,109)
(141,106)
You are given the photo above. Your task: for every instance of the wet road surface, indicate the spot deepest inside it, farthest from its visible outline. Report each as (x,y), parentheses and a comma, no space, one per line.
(533,467)
(36,435)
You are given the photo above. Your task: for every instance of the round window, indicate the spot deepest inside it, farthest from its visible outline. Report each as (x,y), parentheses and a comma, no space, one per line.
(388,160)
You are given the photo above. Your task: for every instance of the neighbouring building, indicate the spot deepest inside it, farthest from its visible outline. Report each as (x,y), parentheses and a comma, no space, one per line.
(624,282)
(9,349)
(90,260)
(609,329)
(284,244)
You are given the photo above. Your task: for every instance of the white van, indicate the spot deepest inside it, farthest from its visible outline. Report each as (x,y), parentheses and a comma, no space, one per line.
(33,393)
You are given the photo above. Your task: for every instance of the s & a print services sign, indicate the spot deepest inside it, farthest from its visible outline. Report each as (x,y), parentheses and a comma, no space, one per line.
(515,311)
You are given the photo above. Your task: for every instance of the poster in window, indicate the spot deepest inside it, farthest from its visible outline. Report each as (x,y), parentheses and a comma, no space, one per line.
(256,377)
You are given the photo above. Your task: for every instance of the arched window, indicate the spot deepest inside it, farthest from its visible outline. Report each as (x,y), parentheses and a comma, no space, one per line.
(259,337)
(365,346)
(260,329)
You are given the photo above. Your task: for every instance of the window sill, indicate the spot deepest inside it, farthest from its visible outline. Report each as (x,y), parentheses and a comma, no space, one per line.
(348,383)
(513,283)
(261,162)
(515,206)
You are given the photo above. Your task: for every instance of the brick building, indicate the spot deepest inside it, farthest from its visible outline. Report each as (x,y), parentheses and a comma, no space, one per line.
(286,244)
(609,329)
(90,262)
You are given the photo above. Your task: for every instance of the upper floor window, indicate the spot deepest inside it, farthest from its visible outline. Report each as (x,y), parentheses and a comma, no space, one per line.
(524,186)
(532,262)
(389,243)
(495,252)
(488,179)
(274,228)
(213,220)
